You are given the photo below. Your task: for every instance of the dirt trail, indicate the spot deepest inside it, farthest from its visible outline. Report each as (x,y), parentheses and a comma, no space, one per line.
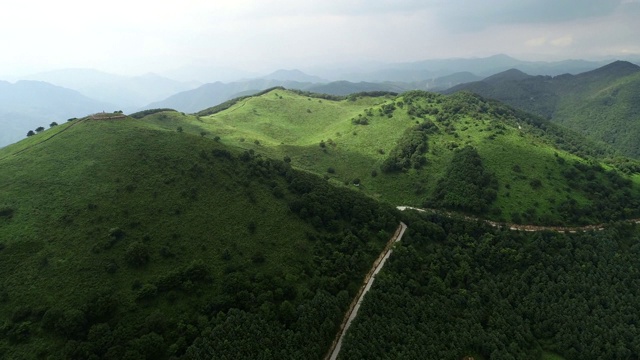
(366,286)
(519,227)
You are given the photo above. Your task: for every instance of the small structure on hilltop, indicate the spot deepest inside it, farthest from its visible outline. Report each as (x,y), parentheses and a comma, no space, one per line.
(108,116)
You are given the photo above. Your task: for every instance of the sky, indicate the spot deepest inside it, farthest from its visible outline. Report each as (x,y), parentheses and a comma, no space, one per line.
(134,37)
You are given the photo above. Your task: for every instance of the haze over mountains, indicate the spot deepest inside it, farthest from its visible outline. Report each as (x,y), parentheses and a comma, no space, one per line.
(27,105)
(104,91)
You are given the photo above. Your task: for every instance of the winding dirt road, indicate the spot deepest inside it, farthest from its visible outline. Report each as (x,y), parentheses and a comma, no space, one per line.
(519,227)
(366,286)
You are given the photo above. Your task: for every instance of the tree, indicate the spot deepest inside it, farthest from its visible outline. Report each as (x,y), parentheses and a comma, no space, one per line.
(39,129)
(53,124)
(30,133)
(137,254)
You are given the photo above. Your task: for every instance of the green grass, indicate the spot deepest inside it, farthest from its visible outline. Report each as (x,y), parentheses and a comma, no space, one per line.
(280,123)
(68,193)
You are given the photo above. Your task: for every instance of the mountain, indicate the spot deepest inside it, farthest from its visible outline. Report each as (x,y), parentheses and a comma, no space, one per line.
(508,75)
(377,140)
(420,70)
(293,75)
(342,88)
(245,231)
(26,105)
(213,94)
(127,92)
(443,82)
(601,104)
(119,239)
(209,95)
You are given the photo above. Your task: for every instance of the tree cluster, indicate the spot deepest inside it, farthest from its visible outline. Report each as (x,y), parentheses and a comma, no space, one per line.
(410,149)
(465,185)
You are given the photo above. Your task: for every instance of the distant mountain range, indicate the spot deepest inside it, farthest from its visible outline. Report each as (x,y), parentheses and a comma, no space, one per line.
(27,105)
(603,104)
(435,68)
(133,93)
(128,92)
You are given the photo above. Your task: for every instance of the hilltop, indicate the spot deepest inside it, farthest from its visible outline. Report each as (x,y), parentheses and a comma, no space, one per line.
(601,104)
(124,240)
(405,149)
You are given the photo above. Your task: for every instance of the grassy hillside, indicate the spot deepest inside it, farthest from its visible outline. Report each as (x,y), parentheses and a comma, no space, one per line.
(214,235)
(400,150)
(601,104)
(119,239)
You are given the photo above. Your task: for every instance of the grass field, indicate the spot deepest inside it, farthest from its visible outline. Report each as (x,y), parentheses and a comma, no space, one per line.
(322,136)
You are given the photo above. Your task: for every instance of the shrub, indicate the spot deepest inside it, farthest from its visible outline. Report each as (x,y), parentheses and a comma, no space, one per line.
(258,257)
(6,212)
(147,291)
(137,254)
(535,183)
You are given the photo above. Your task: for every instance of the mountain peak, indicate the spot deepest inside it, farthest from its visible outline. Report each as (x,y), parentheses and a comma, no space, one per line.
(507,75)
(616,68)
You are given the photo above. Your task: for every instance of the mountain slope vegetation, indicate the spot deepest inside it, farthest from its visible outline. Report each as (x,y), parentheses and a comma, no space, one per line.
(602,104)
(124,240)
(454,289)
(244,231)
(398,148)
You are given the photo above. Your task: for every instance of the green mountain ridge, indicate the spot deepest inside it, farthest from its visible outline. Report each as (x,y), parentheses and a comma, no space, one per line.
(602,104)
(244,231)
(542,173)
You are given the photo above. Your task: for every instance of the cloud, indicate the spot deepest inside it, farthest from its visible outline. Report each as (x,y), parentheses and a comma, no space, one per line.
(563,41)
(130,36)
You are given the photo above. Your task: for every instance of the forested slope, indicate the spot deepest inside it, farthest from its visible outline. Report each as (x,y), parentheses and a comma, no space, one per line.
(123,241)
(454,288)
(602,104)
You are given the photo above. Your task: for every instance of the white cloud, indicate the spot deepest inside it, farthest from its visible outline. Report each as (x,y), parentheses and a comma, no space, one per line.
(563,41)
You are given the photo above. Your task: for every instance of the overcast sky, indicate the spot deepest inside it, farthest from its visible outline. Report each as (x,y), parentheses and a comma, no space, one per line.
(134,37)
